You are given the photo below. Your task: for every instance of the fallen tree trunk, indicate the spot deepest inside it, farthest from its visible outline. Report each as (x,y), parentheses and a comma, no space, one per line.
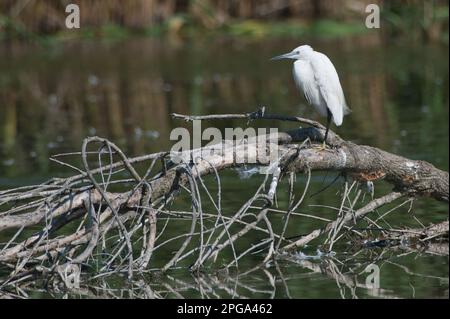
(369,163)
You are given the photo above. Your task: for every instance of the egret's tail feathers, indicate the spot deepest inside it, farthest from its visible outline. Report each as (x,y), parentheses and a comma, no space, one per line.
(347,110)
(337,120)
(335,108)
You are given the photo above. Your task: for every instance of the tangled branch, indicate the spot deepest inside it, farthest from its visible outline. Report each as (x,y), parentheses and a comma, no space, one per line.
(113,218)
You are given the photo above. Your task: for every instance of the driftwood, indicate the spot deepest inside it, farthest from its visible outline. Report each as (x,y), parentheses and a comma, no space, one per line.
(83,219)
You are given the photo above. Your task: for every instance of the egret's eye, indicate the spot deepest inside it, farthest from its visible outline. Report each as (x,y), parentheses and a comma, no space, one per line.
(297,52)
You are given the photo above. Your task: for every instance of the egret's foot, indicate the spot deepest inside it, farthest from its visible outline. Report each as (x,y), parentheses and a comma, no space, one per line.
(321,147)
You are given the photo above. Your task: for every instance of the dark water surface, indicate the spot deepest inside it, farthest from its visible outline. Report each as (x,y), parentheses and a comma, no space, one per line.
(52,96)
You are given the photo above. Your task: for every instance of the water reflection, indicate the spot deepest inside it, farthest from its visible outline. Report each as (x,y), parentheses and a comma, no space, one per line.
(51,97)
(342,276)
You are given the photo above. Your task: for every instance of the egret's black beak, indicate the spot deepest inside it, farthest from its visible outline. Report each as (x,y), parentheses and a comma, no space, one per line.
(289,55)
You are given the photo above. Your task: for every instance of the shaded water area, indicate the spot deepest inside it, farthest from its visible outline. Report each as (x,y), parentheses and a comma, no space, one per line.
(52,96)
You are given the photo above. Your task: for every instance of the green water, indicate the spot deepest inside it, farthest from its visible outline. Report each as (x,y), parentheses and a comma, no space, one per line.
(51,97)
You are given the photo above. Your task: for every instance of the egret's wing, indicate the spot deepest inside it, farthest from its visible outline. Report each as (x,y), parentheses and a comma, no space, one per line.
(305,81)
(329,86)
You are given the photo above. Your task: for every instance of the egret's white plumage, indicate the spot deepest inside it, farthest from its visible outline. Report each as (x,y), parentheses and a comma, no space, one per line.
(317,78)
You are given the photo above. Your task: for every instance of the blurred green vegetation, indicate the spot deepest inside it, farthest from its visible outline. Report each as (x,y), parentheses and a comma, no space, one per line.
(321,29)
(422,20)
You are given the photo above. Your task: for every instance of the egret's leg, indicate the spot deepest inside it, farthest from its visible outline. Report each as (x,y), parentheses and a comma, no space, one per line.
(324,143)
(328,127)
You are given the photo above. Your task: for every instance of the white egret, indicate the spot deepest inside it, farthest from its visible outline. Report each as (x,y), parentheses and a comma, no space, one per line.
(316,77)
